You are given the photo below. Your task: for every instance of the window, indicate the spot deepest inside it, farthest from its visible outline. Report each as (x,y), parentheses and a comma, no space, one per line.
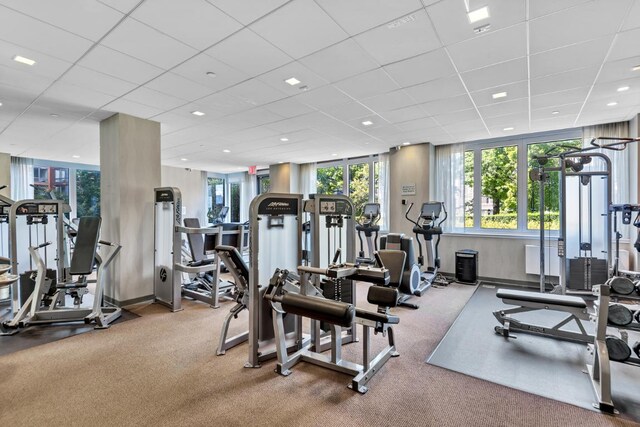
(264,184)
(216,197)
(87,192)
(552,203)
(330,180)
(468,189)
(234,189)
(499,206)
(359,186)
(50,182)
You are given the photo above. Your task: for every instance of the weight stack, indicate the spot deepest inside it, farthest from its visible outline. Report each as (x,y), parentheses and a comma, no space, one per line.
(467,266)
(585,272)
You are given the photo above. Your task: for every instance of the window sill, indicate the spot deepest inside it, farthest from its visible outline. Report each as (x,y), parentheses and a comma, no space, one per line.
(496,234)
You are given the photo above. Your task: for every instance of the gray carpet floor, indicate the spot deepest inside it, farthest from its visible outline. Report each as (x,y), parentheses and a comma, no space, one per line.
(161,369)
(539,365)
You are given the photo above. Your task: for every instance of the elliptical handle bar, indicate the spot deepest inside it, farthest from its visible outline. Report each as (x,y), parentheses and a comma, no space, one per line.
(406,215)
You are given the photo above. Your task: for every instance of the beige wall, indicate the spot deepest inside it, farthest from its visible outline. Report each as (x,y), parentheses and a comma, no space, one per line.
(284,177)
(193,186)
(130,170)
(5,174)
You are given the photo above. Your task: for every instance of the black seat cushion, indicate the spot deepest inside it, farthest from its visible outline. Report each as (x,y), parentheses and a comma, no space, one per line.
(560,300)
(318,308)
(86,244)
(236,258)
(377,317)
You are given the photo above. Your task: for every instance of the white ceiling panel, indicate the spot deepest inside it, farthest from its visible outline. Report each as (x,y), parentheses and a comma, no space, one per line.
(559,98)
(559,110)
(124,6)
(89,19)
(538,8)
(122,105)
(389,101)
(608,89)
(490,48)
(625,45)
(87,78)
(551,124)
(495,75)
(39,36)
(77,96)
(299,28)
(619,70)
(563,81)
(221,104)
(448,105)
(356,16)
(515,120)
(46,66)
(422,68)
(588,21)
(405,114)
(174,121)
(340,61)
(465,127)
(28,84)
(196,69)
(119,65)
(457,116)
(247,11)
(141,41)
(249,53)
(513,90)
(194,22)
(452,24)
(254,117)
(324,97)
(581,55)
(179,87)
(255,92)
(503,108)
(436,89)
(370,83)
(153,98)
(633,18)
(288,108)
(418,124)
(348,111)
(390,44)
(308,79)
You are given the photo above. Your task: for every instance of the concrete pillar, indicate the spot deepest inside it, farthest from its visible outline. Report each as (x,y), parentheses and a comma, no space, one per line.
(285,178)
(130,170)
(409,166)
(5,174)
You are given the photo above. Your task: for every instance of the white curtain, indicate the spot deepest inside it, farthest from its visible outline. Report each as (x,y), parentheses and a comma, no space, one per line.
(308,179)
(248,191)
(383,195)
(21,178)
(450,183)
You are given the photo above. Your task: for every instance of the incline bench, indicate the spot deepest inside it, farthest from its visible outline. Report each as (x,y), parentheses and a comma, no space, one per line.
(526,301)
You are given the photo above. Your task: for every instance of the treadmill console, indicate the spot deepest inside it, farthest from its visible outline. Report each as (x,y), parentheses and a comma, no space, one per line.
(430,210)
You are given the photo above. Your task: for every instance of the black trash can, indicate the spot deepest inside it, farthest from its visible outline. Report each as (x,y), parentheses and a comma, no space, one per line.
(467,266)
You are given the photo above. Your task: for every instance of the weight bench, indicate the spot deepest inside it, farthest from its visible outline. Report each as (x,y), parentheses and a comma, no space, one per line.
(338,315)
(575,307)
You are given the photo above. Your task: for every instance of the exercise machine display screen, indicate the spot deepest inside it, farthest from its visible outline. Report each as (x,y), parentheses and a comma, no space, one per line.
(431,210)
(371,210)
(335,207)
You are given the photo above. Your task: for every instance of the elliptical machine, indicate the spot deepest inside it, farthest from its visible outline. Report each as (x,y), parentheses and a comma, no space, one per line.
(426,226)
(370,228)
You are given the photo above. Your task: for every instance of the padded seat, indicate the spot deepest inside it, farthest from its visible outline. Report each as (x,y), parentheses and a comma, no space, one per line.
(550,299)
(377,317)
(335,312)
(236,257)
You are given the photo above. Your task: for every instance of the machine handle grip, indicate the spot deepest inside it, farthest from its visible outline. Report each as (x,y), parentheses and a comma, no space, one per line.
(378,258)
(43,245)
(336,257)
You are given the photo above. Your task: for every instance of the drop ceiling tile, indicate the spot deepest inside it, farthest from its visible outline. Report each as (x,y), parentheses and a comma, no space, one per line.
(581,55)
(562,110)
(503,108)
(154,99)
(249,53)
(324,97)
(288,108)
(436,89)
(76,96)
(625,45)
(116,64)
(122,105)
(46,66)
(124,6)
(90,19)
(276,78)
(452,24)
(196,23)
(370,83)
(172,121)
(457,116)
(562,81)
(513,90)
(36,35)
(196,69)
(340,61)
(495,75)
(418,124)
(385,133)
(515,120)
(588,21)
(388,45)
(552,124)
(389,101)
(255,92)
(448,105)
(179,87)
(465,127)
(247,11)
(222,103)
(141,41)
(490,48)
(405,114)
(607,89)
(299,28)
(348,111)
(255,117)
(558,98)
(422,68)
(633,18)
(104,83)
(540,8)
(356,16)
(619,70)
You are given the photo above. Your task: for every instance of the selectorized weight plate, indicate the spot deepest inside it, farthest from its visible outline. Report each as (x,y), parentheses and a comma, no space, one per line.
(622,285)
(618,350)
(619,315)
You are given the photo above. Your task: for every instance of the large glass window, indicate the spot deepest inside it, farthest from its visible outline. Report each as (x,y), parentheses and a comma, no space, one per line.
(87,192)
(330,180)
(499,206)
(552,203)
(216,197)
(264,184)
(468,189)
(234,189)
(359,186)
(51,182)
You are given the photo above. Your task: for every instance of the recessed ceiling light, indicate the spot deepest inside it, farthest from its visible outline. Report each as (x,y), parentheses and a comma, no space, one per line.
(0,104)
(197,113)
(304,88)
(280,163)
(75,156)
(183,159)
(499,95)
(23,60)
(508,128)
(292,81)
(334,154)
(612,104)
(406,143)
(226,151)
(54,115)
(367,123)
(636,68)
(478,14)
(284,139)
(555,112)
(211,74)
(623,88)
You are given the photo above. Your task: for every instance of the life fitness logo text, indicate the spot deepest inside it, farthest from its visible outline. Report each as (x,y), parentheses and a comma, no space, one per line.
(279,206)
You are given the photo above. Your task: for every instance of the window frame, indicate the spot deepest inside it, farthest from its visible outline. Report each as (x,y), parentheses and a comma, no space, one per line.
(346,163)
(522,143)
